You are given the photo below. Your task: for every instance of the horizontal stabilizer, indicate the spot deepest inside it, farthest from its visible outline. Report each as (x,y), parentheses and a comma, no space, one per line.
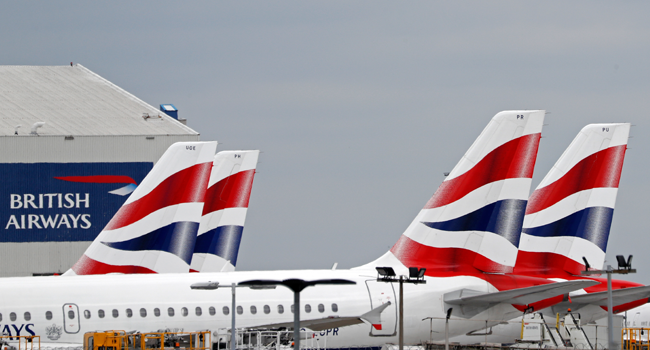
(469,302)
(321,324)
(619,296)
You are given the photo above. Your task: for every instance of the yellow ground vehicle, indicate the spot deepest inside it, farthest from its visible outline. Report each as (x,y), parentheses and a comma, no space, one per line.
(635,339)
(120,340)
(20,342)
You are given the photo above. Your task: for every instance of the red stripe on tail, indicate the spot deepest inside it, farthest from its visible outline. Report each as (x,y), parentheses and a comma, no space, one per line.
(233,191)
(601,169)
(88,266)
(442,262)
(186,186)
(514,159)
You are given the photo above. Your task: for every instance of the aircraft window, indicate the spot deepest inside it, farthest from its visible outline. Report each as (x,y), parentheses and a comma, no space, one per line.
(198,311)
(170,312)
(48,315)
(321,308)
(226,310)
(184,311)
(307,308)
(156,312)
(267,309)
(28,316)
(71,315)
(1,317)
(86,314)
(280,309)
(240,310)
(12,316)
(253,309)
(335,308)
(212,310)
(129,313)
(143,312)
(292,308)
(116,313)
(100,313)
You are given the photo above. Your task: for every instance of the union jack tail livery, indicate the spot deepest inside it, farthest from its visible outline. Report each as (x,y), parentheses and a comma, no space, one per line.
(570,213)
(155,230)
(224,213)
(472,224)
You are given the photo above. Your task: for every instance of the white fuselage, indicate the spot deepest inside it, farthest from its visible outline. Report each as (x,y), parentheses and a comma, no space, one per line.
(143,303)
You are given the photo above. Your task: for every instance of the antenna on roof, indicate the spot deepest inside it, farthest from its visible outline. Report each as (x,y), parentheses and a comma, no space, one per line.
(16,129)
(35,126)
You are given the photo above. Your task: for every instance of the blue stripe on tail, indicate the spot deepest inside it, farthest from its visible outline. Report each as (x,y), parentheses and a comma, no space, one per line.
(504,217)
(182,244)
(592,224)
(222,241)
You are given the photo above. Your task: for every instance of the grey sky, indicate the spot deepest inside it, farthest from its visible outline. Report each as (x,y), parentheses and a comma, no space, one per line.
(359,107)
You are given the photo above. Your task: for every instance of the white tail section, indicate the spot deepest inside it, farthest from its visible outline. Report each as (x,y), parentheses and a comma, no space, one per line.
(224,213)
(570,213)
(472,224)
(155,230)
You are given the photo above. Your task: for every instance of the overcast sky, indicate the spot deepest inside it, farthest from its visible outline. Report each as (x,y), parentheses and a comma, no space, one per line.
(359,107)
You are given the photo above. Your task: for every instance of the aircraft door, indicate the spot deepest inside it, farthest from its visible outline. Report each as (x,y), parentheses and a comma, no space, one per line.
(381,293)
(71,318)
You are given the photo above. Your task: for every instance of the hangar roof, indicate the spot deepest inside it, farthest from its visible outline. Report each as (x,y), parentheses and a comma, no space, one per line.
(72,100)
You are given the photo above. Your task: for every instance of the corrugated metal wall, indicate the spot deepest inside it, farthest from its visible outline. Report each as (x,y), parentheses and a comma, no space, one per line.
(42,230)
(81,149)
(27,259)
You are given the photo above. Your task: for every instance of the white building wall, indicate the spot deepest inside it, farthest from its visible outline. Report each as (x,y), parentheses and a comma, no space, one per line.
(82,149)
(28,259)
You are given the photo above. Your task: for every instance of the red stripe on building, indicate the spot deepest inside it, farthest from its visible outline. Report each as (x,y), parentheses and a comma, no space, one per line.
(103,179)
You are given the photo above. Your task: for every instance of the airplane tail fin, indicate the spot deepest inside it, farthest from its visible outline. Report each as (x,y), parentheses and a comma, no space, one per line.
(472,224)
(224,213)
(569,215)
(155,230)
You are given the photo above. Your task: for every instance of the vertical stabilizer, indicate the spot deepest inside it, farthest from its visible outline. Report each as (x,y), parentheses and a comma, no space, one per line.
(155,230)
(472,224)
(224,213)
(570,213)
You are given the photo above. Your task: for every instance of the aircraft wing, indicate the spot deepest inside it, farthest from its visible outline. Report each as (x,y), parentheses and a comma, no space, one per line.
(619,296)
(468,302)
(320,324)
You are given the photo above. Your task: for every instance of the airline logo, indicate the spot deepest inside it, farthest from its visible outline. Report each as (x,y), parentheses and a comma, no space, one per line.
(72,206)
(473,222)
(17,329)
(224,213)
(155,230)
(570,213)
(111,179)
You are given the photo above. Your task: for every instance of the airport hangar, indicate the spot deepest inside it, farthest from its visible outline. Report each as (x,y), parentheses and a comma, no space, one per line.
(63,180)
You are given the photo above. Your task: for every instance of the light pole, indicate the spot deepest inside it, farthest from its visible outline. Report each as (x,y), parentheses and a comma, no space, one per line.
(215,285)
(416,276)
(296,285)
(624,267)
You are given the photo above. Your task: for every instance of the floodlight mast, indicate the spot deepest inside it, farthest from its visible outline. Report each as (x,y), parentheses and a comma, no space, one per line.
(416,276)
(215,285)
(296,285)
(624,267)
